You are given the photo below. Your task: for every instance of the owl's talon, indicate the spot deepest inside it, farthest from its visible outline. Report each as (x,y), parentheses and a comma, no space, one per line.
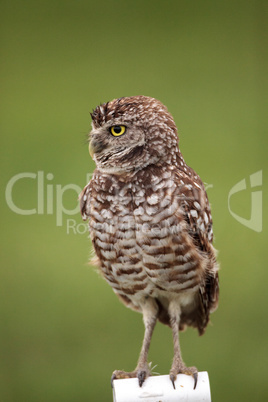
(142,375)
(120,374)
(173,379)
(112,380)
(195,376)
(192,371)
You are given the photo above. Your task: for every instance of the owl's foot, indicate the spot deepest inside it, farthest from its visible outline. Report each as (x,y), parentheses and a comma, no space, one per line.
(141,373)
(183,370)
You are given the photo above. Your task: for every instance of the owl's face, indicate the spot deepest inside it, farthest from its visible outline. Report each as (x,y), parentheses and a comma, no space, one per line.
(131,133)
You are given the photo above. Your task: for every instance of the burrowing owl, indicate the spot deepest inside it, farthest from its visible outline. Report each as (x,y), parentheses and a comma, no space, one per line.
(150,223)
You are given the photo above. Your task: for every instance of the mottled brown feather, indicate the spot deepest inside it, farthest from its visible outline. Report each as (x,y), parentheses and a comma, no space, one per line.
(149,215)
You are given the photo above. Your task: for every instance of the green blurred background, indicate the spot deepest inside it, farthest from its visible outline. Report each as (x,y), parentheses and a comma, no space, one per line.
(63,331)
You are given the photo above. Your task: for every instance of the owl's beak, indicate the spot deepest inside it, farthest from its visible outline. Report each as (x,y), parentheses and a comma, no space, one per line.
(91,150)
(95,146)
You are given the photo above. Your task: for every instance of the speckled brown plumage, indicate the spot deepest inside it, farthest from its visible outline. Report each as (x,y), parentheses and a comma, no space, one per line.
(150,222)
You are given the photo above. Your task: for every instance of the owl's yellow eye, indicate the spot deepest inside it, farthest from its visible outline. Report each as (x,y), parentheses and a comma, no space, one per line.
(117,130)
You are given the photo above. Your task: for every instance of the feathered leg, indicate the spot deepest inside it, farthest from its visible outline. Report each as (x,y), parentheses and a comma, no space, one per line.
(178,366)
(142,371)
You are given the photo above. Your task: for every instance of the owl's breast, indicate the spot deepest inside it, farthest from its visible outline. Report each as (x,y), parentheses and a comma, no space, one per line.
(138,232)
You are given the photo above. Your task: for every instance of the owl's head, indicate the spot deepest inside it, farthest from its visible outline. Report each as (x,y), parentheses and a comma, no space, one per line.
(131,133)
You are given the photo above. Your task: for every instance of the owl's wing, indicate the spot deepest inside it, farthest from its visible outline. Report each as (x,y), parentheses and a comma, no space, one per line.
(84,199)
(197,214)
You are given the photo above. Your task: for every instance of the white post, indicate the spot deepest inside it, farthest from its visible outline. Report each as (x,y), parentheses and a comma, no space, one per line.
(160,389)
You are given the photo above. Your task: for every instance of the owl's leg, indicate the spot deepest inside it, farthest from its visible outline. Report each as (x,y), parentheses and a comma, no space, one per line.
(142,371)
(178,366)
(150,313)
